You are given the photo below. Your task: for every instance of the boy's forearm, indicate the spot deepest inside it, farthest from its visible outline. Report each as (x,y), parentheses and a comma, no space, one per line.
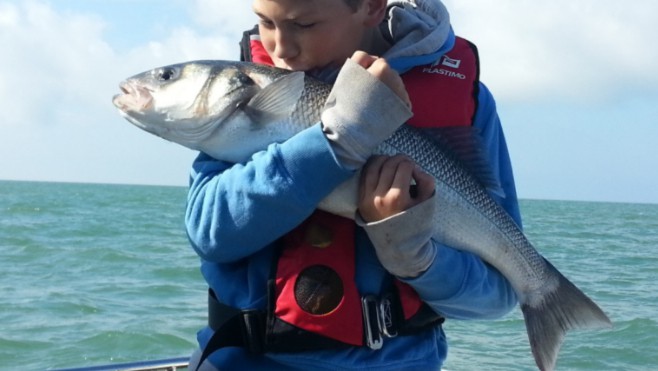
(360,113)
(270,194)
(461,285)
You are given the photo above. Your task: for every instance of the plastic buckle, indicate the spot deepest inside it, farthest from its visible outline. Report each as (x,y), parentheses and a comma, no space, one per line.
(372,319)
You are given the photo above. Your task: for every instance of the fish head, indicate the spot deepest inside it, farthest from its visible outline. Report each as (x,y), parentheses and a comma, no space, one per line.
(184,103)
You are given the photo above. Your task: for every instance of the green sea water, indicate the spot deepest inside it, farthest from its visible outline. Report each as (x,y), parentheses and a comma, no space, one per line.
(98,274)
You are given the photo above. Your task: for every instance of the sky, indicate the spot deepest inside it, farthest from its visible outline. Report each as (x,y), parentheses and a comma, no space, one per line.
(575,82)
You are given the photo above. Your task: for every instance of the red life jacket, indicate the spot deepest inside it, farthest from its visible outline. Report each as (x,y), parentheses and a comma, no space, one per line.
(443,93)
(315,297)
(314,302)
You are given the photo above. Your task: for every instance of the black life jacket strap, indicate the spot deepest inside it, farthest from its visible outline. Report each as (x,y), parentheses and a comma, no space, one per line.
(233,328)
(245,44)
(257,332)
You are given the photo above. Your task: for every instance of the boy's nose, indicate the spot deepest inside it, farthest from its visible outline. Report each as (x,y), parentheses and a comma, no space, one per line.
(285,47)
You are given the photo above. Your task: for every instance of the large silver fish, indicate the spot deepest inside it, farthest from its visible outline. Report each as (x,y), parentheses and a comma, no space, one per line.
(230,110)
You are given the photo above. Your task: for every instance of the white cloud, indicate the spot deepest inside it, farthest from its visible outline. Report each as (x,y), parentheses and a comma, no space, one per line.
(580,50)
(224,16)
(57,78)
(59,70)
(183,44)
(8,15)
(50,60)
(58,63)
(577,50)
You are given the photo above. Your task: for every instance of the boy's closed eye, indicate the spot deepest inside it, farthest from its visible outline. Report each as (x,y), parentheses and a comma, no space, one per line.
(305,25)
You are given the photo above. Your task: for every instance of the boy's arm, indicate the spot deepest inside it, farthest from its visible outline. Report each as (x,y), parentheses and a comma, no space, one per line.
(455,283)
(235,209)
(355,120)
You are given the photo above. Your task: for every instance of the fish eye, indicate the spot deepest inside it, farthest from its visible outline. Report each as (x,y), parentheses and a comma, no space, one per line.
(166,73)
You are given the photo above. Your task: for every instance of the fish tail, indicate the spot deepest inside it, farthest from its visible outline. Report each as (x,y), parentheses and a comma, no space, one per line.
(563,309)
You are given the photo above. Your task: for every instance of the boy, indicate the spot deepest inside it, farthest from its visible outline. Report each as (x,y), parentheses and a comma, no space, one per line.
(295,288)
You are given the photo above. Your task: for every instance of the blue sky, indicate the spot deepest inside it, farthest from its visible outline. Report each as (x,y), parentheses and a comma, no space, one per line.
(575,83)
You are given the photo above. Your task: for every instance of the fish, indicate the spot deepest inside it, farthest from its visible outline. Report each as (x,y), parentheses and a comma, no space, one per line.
(231,110)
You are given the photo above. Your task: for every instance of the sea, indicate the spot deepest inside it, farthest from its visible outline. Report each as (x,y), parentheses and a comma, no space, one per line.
(95,274)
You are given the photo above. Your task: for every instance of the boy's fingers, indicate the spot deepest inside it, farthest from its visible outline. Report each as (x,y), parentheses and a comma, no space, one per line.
(425,184)
(370,173)
(363,59)
(403,179)
(379,68)
(389,172)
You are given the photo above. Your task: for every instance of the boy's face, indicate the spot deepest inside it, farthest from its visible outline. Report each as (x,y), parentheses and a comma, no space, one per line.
(302,35)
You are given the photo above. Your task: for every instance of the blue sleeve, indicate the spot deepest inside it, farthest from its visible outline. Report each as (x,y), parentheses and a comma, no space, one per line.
(460,284)
(488,122)
(234,210)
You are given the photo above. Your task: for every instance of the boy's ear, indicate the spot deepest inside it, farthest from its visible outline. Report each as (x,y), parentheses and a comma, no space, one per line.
(375,12)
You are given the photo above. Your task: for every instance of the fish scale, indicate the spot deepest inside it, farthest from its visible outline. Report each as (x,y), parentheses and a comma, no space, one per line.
(309,107)
(453,178)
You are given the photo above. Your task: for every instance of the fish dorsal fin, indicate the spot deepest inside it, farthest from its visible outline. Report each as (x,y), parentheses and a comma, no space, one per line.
(466,144)
(276,100)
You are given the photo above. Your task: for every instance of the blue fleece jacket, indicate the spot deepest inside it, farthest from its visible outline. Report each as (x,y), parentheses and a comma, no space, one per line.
(236,212)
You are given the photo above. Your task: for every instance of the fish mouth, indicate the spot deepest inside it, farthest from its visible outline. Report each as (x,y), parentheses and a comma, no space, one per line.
(134,98)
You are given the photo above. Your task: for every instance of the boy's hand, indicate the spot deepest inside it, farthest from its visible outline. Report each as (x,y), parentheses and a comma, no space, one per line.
(390,185)
(396,210)
(379,68)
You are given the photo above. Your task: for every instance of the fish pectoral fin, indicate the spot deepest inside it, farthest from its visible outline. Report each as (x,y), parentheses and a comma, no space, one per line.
(276,100)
